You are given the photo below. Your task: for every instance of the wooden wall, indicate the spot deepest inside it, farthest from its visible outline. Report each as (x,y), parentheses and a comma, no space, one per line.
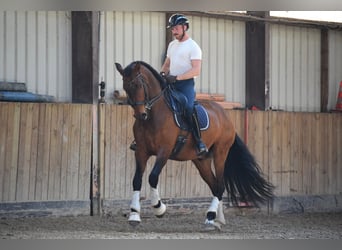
(300,153)
(45,151)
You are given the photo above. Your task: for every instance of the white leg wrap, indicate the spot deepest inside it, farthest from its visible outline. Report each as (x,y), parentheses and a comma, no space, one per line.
(214,205)
(155,198)
(154,194)
(134,217)
(220,214)
(135,203)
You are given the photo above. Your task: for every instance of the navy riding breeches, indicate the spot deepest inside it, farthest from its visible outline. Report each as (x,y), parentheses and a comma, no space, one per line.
(187,88)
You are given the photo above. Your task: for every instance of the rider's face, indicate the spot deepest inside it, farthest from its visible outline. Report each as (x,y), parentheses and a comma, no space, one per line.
(177,31)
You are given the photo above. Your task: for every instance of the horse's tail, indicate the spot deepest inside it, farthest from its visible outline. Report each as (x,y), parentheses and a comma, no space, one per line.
(243,178)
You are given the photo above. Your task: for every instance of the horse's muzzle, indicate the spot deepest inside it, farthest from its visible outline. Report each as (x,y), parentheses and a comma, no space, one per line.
(141,116)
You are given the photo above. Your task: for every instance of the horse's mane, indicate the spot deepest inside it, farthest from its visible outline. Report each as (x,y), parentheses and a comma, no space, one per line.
(129,68)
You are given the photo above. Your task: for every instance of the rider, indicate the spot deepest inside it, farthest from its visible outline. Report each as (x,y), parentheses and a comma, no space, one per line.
(182,64)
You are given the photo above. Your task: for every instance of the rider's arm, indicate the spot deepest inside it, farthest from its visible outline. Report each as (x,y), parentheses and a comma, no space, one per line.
(166,66)
(193,72)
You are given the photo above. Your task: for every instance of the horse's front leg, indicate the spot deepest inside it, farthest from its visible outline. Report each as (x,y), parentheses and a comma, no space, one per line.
(134,216)
(159,208)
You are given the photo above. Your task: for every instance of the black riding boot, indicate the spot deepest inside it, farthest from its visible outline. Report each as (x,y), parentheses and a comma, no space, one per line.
(196,131)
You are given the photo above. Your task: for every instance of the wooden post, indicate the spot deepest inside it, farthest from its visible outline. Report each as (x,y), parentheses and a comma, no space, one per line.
(85,46)
(324,70)
(257,47)
(85,84)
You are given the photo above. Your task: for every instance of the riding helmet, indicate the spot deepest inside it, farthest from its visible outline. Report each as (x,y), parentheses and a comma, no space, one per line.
(177,19)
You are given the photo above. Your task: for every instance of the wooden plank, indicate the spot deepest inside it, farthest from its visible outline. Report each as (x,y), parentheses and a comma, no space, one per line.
(332,170)
(65,150)
(324,147)
(40,151)
(286,152)
(316,155)
(307,139)
(11,158)
(94,192)
(85,152)
(104,143)
(275,152)
(238,118)
(55,152)
(210,97)
(23,176)
(114,165)
(126,126)
(34,152)
(184,179)
(15,150)
(43,152)
(130,162)
(74,156)
(121,123)
(256,137)
(4,109)
(230,105)
(295,156)
(188,167)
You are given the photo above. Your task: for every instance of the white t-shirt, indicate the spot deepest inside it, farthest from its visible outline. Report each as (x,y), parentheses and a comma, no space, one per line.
(181,54)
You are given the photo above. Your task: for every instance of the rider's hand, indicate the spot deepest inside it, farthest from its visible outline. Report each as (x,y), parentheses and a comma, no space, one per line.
(171,79)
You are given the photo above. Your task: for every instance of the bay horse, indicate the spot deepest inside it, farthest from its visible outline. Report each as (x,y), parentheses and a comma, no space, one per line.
(155,132)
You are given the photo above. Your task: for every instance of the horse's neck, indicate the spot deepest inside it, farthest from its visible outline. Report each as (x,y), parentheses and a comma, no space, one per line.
(159,111)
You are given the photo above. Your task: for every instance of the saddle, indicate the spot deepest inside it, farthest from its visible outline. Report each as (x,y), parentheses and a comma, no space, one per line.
(176,101)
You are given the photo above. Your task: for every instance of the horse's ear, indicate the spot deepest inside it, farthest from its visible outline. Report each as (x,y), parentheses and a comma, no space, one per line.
(119,68)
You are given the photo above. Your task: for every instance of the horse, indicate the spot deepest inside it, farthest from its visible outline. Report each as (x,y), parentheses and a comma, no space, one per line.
(156,134)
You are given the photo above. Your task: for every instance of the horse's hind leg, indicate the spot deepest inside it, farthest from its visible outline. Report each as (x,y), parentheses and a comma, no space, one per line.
(215,210)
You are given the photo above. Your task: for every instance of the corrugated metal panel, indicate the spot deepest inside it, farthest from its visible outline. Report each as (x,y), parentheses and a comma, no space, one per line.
(294,68)
(335,68)
(36,49)
(223,66)
(127,37)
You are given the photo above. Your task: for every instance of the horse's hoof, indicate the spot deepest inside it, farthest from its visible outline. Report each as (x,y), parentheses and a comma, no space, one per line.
(134,219)
(160,211)
(160,215)
(134,223)
(211,225)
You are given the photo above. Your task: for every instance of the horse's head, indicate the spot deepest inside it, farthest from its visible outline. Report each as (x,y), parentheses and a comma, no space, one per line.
(138,84)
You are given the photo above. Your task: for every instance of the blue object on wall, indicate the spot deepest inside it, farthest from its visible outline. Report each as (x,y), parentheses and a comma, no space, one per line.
(24,97)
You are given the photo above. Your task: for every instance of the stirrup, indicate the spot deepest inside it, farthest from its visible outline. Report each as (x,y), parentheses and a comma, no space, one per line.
(202,149)
(133,146)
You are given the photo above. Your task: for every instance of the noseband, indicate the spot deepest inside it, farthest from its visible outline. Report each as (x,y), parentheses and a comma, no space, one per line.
(139,80)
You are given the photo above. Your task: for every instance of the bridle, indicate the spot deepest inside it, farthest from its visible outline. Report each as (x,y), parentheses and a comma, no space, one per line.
(147,102)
